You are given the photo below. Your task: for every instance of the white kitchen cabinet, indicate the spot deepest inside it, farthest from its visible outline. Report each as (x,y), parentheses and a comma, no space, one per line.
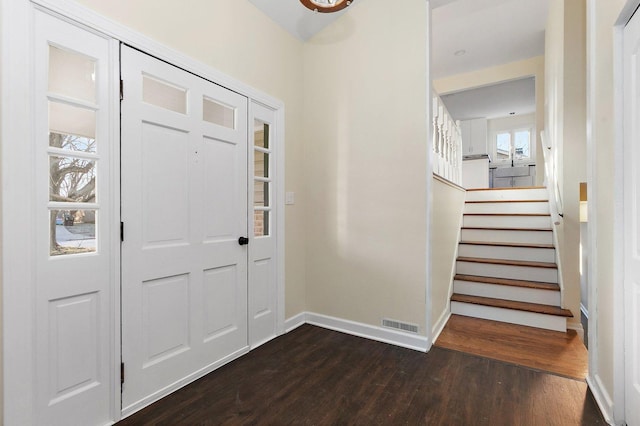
(474,136)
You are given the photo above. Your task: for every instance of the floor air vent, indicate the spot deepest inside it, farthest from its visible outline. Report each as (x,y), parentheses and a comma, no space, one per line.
(412,328)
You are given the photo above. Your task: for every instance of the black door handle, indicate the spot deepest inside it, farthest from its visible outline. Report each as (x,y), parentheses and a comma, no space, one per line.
(243,240)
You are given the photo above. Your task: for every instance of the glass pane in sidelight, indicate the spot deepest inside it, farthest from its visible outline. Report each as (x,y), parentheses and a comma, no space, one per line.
(261,194)
(260,223)
(503,146)
(219,114)
(72,128)
(72,74)
(164,95)
(72,179)
(261,134)
(72,232)
(261,164)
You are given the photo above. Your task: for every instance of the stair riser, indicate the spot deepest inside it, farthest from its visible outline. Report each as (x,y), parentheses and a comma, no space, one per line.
(498,236)
(505,208)
(523,222)
(496,291)
(526,273)
(511,194)
(507,253)
(530,319)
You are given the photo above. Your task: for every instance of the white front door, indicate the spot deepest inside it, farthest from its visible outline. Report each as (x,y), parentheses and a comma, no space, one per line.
(184,209)
(75,288)
(632,218)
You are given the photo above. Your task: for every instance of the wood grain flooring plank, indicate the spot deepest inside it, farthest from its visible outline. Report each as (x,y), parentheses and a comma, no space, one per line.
(545,350)
(314,376)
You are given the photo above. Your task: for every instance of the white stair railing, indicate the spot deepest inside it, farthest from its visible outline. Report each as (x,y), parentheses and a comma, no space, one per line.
(446,144)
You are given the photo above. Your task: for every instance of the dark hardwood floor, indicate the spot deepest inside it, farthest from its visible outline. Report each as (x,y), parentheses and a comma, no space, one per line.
(314,376)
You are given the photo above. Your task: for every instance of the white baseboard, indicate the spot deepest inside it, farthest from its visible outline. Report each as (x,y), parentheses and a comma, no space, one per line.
(295,321)
(439,325)
(578,329)
(602,398)
(584,311)
(380,334)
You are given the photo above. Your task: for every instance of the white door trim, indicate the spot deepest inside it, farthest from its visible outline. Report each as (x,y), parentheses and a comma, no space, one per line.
(16,113)
(612,405)
(17,234)
(429,332)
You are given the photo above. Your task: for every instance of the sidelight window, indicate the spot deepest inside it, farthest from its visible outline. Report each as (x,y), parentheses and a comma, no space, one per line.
(73,153)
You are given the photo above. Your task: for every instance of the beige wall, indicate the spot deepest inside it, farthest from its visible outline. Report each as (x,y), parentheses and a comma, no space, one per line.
(512,71)
(602,150)
(236,38)
(565,48)
(365,123)
(448,204)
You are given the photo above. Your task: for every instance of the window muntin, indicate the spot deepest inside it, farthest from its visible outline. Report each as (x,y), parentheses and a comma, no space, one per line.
(72,149)
(512,145)
(262,180)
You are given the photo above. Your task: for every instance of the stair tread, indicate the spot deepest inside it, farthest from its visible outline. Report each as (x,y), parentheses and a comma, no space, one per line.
(508,282)
(510,304)
(506,201)
(533,264)
(509,229)
(508,214)
(505,189)
(525,245)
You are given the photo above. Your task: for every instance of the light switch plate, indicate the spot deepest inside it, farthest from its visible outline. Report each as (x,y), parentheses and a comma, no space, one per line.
(289,198)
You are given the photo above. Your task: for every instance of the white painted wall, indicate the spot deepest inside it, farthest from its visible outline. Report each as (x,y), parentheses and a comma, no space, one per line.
(365,123)
(512,71)
(236,38)
(448,204)
(565,69)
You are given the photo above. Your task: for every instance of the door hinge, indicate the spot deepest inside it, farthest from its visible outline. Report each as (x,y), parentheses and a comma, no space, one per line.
(121,231)
(122,373)
(121,90)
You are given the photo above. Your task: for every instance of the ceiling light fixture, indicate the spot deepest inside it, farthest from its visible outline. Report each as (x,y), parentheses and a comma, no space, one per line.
(326,6)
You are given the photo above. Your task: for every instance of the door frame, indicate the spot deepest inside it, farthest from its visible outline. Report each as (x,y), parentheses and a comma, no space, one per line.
(612,405)
(17,251)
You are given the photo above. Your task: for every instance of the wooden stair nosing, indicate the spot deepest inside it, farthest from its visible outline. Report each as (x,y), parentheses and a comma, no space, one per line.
(508,282)
(513,305)
(523,245)
(505,189)
(509,229)
(547,265)
(506,201)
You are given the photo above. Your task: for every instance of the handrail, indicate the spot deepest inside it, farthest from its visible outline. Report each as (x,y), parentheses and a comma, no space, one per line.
(555,201)
(446,143)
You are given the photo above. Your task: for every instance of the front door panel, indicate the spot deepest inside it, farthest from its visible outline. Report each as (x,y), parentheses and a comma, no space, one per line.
(184,207)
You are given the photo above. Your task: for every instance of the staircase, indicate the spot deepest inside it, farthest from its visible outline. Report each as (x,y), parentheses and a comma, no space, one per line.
(506,267)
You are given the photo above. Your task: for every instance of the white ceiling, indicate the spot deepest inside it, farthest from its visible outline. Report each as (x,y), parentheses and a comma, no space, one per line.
(498,100)
(299,21)
(491,32)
